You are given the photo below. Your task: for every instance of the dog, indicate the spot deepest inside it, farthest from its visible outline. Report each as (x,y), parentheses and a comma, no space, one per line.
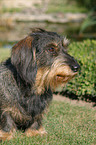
(38,66)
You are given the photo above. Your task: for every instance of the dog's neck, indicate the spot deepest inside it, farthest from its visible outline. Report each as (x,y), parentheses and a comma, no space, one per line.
(21,83)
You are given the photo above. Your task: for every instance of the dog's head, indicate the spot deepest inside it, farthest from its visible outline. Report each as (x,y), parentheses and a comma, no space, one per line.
(41,59)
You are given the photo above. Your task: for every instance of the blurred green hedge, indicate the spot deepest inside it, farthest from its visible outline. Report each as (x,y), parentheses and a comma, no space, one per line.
(84,84)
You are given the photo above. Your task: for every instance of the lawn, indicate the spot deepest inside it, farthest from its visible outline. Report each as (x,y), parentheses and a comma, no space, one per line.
(65,123)
(4,53)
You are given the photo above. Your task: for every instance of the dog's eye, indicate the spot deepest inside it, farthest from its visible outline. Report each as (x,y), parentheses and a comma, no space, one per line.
(51,49)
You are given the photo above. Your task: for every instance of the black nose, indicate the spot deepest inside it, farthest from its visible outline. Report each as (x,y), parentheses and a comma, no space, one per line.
(75,68)
(71,62)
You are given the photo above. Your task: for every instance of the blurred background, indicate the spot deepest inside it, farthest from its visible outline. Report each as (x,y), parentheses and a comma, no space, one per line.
(74,18)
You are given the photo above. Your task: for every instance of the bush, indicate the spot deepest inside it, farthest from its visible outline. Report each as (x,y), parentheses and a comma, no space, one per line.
(89,4)
(84,85)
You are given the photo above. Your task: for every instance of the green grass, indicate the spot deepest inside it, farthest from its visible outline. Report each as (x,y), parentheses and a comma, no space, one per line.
(66,124)
(4,53)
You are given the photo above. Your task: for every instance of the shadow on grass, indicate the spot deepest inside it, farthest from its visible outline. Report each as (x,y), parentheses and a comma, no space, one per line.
(72,96)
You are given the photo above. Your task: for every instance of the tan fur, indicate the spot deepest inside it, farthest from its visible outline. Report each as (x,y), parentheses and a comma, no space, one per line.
(58,74)
(65,42)
(16,114)
(34,54)
(41,131)
(40,80)
(7,135)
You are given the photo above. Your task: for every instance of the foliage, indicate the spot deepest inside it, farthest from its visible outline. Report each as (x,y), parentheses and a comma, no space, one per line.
(84,84)
(87,3)
(89,21)
(66,124)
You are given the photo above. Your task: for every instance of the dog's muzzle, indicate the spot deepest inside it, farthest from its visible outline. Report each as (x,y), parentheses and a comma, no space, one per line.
(71,62)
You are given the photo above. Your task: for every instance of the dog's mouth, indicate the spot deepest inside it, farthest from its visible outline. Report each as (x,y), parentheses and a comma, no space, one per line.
(64,78)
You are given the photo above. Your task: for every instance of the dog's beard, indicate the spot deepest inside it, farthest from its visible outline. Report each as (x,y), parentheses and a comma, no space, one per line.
(55,76)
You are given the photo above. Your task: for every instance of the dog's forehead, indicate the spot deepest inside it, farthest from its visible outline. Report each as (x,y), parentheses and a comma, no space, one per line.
(56,39)
(52,38)
(46,37)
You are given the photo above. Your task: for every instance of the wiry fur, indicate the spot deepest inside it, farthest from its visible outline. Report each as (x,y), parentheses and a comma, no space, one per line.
(39,64)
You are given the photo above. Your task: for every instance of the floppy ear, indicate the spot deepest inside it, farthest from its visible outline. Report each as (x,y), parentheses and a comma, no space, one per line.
(23,57)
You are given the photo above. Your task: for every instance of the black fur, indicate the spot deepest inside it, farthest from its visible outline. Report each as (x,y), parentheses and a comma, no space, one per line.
(18,76)
(24,97)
